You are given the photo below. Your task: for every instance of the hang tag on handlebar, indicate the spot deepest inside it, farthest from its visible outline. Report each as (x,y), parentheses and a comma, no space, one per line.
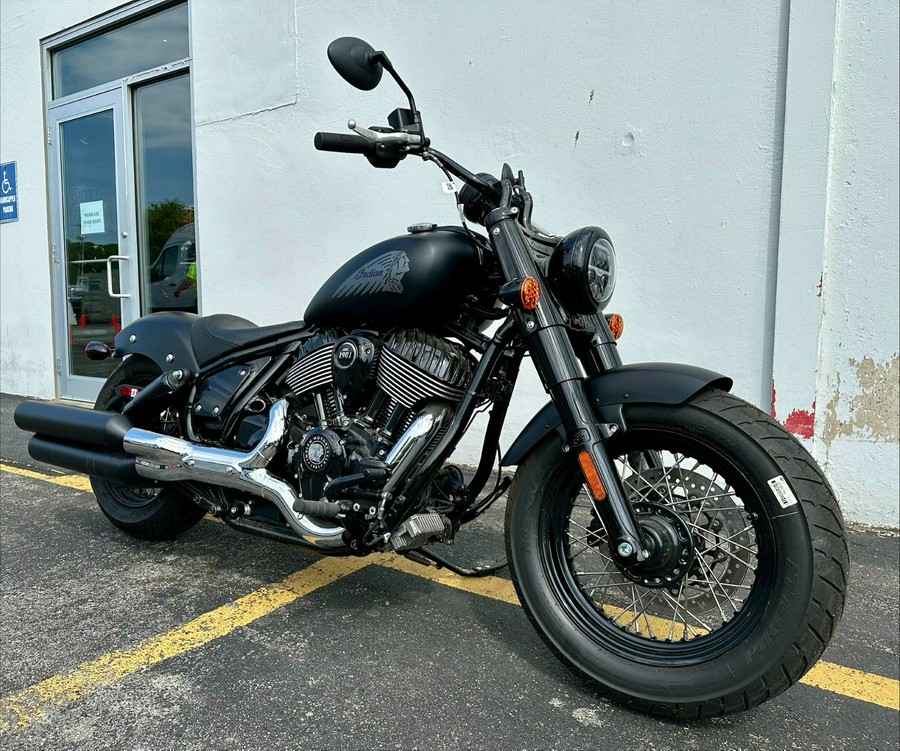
(448,187)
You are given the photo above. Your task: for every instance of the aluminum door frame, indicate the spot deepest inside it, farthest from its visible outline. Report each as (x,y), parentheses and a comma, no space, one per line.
(70,386)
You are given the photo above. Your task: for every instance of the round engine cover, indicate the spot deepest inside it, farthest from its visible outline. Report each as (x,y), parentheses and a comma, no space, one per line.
(321,458)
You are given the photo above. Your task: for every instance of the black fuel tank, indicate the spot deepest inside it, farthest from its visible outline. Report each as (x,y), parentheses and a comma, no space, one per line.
(419,279)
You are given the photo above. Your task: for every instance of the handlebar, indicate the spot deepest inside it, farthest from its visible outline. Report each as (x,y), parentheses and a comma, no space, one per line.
(344,142)
(384,148)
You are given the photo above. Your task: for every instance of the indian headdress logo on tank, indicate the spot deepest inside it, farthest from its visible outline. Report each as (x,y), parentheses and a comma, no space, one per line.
(384,274)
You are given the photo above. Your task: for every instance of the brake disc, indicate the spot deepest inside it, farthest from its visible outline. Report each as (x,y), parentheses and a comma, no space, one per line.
(722,533)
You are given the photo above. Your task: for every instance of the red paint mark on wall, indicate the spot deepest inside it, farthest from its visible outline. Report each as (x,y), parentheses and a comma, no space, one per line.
(773,400)
(801,422)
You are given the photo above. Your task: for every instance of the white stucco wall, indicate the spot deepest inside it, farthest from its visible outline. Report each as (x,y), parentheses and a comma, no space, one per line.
(743,158)
(857,418)
(558,90)
(27,360)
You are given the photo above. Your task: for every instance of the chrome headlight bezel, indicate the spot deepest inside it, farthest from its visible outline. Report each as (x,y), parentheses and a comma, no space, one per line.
(582,270)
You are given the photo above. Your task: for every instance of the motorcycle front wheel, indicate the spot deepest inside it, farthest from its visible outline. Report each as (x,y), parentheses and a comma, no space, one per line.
(753,583)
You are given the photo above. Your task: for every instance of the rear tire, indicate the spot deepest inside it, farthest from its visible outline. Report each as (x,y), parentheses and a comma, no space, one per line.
(145,513)
(792,579)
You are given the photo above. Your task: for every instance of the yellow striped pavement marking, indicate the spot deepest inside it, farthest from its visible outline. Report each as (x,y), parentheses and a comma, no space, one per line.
(829,676)
(492,587)
(27,705)
(79,482)
(875,689)
(24,707)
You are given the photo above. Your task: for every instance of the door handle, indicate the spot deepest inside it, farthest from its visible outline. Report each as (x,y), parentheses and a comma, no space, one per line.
(109,281)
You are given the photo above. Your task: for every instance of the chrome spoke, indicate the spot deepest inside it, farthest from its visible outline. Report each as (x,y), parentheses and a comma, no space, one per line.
(720,584)
(589,532)
(607,572)
(630,607)
(719,581)
(675,611)
(687,612)
(712,592)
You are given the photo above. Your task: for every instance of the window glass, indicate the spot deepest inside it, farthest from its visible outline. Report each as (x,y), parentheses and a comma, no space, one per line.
(169,262)
(165,191)
(122,51)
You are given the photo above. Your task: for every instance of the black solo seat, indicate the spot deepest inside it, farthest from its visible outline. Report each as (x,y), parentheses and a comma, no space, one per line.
(215,336)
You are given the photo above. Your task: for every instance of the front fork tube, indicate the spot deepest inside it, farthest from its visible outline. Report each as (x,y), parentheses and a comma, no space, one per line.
(547,339)
(583,435)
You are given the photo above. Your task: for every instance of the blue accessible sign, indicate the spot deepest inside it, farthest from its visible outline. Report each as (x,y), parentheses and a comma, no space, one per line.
(9,193)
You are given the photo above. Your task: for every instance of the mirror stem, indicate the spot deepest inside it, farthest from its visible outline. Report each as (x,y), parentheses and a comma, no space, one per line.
(386,63)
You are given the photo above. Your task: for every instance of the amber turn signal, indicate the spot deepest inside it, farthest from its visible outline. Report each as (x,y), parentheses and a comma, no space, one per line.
(525,293)
(591,475)
(530,293)
(616,324)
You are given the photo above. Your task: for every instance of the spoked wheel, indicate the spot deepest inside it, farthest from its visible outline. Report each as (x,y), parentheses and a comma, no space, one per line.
(153,512)
(738,599)
(708,535)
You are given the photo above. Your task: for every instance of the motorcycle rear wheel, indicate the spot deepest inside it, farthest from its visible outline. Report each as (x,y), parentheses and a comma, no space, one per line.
(145,513)
(761,593)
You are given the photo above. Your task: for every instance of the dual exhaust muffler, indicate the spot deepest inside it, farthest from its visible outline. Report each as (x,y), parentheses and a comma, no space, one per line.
(106,445)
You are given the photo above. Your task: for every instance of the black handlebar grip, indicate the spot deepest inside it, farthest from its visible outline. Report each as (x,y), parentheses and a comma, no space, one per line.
(346,142)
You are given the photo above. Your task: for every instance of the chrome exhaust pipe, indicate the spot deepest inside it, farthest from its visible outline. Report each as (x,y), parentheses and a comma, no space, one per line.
(163,457)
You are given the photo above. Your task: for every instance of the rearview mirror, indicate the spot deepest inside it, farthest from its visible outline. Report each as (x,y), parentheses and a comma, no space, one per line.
(356,61)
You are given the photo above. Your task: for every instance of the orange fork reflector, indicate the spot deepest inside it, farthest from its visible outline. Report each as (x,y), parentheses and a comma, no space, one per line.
(591,475)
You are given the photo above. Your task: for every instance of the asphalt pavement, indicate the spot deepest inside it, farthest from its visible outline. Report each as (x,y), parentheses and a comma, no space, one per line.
(220,640)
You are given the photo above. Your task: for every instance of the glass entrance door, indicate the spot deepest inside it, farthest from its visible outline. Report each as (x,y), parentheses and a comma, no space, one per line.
(93,259)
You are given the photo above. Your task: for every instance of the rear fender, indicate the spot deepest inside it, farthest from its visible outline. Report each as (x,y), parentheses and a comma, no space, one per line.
(638,383)
(164,338)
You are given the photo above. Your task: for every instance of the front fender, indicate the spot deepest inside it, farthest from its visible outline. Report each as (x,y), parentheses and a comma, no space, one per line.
(638,383)
(163,337)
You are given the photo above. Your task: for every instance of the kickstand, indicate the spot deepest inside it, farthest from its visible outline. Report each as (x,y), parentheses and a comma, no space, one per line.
(429,558)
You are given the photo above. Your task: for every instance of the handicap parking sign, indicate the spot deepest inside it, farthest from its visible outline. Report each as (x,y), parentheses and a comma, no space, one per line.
(9,195)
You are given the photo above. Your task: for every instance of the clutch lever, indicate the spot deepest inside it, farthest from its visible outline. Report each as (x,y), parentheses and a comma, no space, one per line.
(396,138)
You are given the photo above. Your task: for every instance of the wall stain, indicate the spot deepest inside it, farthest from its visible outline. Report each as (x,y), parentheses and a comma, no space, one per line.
(874,410)
(591,97)
(577,136)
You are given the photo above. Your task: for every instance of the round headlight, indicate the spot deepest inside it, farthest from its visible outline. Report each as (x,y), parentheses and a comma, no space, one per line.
(583,270)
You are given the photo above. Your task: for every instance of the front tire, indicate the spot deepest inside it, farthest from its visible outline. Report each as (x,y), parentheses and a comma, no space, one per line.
(760,595)
(146,513)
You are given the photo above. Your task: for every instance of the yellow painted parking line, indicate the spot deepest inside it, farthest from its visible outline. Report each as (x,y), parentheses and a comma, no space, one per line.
(857,684)
(875,689)
(78,482)
(828,676)
(24,707)
(493,587)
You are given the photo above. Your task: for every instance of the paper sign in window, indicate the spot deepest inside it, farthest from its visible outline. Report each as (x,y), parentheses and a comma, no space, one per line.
(92,218)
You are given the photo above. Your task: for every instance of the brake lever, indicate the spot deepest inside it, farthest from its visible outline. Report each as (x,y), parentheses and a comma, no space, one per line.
(400,139)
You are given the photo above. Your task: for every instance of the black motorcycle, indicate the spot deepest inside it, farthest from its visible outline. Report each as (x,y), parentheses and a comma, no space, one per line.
(666,538)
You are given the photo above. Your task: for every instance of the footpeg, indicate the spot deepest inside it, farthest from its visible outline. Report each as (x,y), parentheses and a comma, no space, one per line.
(419,529)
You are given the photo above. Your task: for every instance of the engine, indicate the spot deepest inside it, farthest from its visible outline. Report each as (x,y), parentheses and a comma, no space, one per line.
(359,394)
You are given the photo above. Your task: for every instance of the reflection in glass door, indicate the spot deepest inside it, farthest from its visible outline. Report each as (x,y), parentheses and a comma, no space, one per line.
(165,195)
(92,272)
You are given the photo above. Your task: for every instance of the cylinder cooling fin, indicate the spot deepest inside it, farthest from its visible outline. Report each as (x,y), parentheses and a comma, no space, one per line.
(313,367)
(417,367)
